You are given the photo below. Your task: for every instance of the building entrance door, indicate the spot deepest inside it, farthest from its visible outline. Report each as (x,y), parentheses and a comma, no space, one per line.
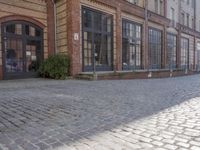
(97,40)
(22,49)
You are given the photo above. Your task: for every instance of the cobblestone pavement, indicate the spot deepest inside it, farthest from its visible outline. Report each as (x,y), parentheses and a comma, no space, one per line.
(154,114)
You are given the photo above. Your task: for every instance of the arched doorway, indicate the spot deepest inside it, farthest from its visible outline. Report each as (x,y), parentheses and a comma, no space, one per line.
(22,45)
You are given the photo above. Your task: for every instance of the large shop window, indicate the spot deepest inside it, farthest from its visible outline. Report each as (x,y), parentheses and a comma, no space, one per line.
(97,40)
(184,53)
(155,48)
(131,45)
(22,49)
(171,51)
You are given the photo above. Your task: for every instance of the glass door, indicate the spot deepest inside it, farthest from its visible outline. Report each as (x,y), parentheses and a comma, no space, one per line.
(33,55)
(97,40)
(22,49)
(14,55)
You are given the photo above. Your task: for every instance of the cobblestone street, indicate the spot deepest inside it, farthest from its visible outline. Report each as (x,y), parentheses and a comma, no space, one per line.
(154,114)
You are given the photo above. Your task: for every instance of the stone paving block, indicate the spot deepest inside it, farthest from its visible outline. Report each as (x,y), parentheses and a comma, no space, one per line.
(170,147)
(195,148)
(100,115)
(186,145)
(195,143)
(43,146)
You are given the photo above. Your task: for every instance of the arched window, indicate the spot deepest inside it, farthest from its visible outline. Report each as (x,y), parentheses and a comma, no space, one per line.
(22,49)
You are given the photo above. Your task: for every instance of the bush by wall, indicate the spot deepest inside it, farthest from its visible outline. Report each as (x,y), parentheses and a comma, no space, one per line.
(55,67)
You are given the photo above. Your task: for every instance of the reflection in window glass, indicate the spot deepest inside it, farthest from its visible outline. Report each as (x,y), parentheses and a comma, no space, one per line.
(155,48)
(87,18)
(14,55)
(23,45)
(97,40)
(32,53)
(131,45)
(88,48)
(18,29)
(184,52)
(171,51)
(32,31)
(14,29)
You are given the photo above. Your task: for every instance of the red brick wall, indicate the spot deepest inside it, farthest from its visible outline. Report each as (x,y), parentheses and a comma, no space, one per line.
(73,27)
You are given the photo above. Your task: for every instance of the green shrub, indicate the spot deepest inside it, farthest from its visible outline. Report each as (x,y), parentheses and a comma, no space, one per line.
(55,67)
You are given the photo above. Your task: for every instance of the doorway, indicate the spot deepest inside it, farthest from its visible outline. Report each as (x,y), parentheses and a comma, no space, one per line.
(97,40)
(22,49)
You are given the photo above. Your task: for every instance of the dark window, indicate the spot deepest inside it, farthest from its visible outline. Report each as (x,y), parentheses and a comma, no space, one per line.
(87,19)
(131,45)
(32,31)
(182,18)
(184,53)
(188,20)
(155,48)
(14,29)
(171,51)
(97,40)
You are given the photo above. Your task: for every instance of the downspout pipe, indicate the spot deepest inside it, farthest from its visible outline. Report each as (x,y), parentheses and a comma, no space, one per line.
(55,26)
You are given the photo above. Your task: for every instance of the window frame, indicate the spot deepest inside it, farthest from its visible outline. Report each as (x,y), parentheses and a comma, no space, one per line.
(185,65)
(91,29)
(135,24)
(24,38)
(172,65)
(158,60)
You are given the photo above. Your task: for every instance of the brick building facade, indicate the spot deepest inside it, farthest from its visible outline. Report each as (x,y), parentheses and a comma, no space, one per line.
(136,38)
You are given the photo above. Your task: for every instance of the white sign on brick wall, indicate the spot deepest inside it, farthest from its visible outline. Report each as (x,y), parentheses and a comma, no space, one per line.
(76,36)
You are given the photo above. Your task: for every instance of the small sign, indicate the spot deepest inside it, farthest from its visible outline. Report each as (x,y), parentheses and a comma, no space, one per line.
(76,36)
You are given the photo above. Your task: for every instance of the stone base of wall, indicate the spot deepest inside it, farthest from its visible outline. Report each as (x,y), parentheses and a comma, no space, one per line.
(133,75)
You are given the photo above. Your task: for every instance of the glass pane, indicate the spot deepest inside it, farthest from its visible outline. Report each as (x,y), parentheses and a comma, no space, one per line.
(97,39)
(97,21)
(18,29)
(87,48)
(131,51)
(171,51)
(87,18)
(33,55)
(155,48)
(30,31)
(98,49)
(14,55)
(38,33)
(14,29)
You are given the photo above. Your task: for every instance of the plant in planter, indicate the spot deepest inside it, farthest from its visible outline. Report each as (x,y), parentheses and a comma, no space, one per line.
(55,67)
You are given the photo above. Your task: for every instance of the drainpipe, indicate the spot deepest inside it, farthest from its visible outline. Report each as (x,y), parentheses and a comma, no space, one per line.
(146,38)
(55,25)
(195,15)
